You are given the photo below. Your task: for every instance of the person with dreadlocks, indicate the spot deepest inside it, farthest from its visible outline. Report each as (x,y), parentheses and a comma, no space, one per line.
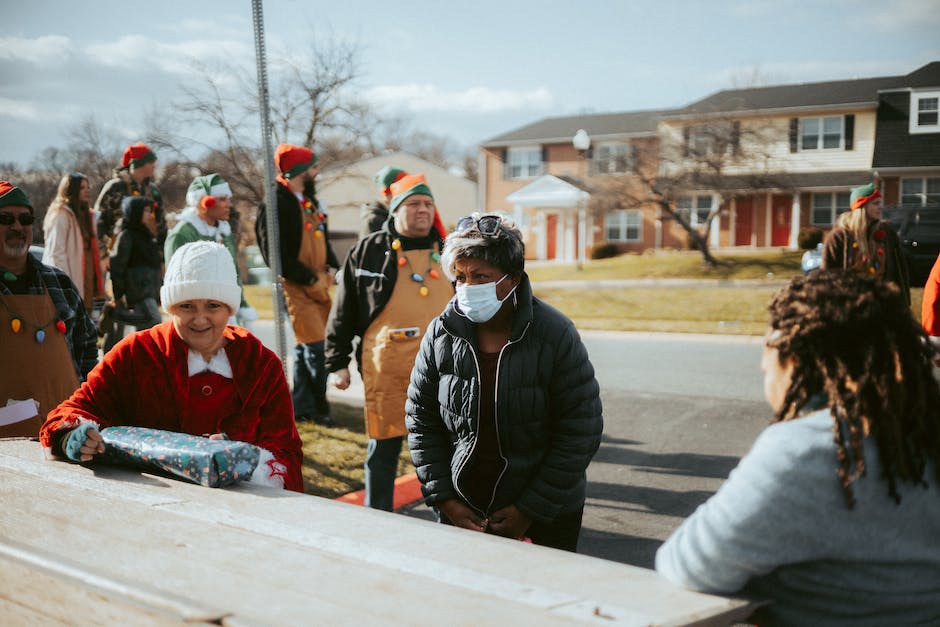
(834,514)
(862,242)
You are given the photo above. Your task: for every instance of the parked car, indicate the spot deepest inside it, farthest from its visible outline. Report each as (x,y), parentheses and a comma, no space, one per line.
(258,271)
(812,259)
(919,230)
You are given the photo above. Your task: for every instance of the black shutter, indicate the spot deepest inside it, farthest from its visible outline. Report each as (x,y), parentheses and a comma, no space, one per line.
(686,134)
(544,159)
(505,159)
(849,132)
(736,137)
(794,134)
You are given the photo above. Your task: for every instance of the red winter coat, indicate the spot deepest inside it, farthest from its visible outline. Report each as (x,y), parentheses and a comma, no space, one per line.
(144,382)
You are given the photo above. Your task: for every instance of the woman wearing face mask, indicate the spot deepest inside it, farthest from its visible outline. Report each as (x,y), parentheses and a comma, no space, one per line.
(503,411)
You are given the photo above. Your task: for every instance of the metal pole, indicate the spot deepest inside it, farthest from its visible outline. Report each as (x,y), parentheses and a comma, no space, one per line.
(270,191)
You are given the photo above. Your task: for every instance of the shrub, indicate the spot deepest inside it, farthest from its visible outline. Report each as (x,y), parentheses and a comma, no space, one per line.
(605,251)
(808,237)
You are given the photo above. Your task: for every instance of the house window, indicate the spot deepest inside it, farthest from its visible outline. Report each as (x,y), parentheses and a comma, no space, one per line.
(623,226)
(821,133)
(525,163)
(921,192)
(695,209)
(828,205)
(612,158)
(925,112)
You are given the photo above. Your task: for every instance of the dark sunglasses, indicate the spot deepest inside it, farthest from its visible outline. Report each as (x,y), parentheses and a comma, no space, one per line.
(488,224)
(6,219)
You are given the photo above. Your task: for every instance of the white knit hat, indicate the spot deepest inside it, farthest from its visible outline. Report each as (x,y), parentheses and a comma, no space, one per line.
(198,270)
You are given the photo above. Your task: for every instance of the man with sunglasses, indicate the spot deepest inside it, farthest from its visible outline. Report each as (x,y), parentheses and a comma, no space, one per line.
(392,286)
(47,342)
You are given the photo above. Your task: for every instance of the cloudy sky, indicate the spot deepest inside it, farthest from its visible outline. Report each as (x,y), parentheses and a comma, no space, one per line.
(466,70)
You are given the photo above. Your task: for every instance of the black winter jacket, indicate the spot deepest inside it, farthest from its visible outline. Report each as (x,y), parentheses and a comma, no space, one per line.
(365,285)
(136,257)
(290,231)
(548,410)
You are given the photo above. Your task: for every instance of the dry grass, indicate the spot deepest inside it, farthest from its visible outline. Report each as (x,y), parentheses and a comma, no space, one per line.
(333,456)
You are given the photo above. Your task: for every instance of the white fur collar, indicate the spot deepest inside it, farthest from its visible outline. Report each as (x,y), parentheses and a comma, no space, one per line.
(222,229)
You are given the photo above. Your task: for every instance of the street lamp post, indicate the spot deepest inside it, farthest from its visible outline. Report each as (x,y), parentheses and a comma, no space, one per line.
(582,143)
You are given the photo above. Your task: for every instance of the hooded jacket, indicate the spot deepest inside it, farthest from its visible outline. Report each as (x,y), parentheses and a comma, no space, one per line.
(135,258)
(548,410)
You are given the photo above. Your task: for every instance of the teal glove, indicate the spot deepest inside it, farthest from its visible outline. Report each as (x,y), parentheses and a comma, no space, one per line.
(76,440)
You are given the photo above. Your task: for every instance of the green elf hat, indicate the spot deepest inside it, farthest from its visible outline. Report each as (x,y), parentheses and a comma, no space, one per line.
(204,187)
(293,160)
(137,155)
(861,196)
(409,185)
(388,175)
(10,196)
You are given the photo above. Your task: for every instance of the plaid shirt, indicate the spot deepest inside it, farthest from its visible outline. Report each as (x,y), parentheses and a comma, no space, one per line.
(80,333)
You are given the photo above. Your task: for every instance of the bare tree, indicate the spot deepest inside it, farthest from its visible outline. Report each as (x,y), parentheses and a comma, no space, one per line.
(721,156)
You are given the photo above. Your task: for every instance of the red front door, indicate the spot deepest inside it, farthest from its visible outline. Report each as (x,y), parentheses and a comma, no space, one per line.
(780,214)
(743,221)
(551,235)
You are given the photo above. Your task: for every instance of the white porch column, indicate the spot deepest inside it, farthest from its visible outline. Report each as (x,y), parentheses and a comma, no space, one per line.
(582,234)
(795,221)
(570,230)
(541,236)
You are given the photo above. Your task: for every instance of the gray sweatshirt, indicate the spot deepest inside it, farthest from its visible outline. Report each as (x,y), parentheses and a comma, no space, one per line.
(779,529)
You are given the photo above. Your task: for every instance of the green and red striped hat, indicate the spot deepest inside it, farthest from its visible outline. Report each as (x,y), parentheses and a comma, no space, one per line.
(137,155)
(293,160)
(11,195)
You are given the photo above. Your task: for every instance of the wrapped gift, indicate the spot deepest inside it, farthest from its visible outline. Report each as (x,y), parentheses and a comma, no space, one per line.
(211,463)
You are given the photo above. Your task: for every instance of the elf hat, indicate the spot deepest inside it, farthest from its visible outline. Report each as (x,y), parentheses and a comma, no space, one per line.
(861,196)
(11,195)
(199,270)
(411,185)
(207,186)
(293,160)
(137,155)
(388,175)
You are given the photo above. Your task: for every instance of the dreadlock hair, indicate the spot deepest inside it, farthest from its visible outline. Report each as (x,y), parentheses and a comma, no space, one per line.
(854,340)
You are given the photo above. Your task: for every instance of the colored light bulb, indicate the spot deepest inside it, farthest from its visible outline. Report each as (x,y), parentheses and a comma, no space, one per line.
(60,325)
(424,290)
(433,274)
(16,325)
(401,262)
(396,244)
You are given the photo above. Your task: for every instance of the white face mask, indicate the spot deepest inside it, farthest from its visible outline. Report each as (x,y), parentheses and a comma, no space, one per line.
(479,303)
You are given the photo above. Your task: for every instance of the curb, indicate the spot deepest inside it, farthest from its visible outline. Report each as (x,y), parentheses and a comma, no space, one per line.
(407,491)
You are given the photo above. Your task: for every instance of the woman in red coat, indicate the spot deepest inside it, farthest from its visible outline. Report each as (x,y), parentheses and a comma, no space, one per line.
(192,374)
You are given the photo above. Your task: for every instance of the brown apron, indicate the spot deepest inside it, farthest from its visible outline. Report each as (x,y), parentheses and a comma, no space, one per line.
(390,344)
(309,305)
(43,371)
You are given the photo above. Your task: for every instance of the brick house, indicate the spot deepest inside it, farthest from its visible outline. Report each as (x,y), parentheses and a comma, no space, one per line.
(789,157)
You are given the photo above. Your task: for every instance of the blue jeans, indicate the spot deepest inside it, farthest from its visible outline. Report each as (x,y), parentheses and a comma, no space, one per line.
(381,471)
(309,393)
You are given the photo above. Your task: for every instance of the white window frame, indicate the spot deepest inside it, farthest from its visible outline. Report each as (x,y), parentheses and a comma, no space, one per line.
(821,133)
(613,158)
(623,221)
(923,195)
(832,205)
(703,205)
(916,98)
(524,162)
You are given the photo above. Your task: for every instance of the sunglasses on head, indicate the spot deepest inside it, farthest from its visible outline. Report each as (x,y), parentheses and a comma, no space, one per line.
(488,224)
(6,219)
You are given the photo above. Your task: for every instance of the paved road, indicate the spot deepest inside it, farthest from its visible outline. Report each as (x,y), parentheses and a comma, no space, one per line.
(680,410)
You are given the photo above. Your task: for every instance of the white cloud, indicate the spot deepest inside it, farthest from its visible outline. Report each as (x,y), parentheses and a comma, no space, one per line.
(41,50)
(139,51)
(423,98)
(18,109)
(903,16)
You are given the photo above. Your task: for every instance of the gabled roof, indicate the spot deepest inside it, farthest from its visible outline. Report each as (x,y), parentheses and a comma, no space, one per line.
(853,92)
(598,126)
(549,191)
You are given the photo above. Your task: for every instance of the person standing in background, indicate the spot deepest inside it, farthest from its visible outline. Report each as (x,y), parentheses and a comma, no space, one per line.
(375,214)
(206,217)
(862,242)
(133,178)
(70,239)
(48,344)
(392,286)
(307,266)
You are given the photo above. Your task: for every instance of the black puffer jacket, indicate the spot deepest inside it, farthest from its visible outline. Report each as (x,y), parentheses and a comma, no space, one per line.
(548,409)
